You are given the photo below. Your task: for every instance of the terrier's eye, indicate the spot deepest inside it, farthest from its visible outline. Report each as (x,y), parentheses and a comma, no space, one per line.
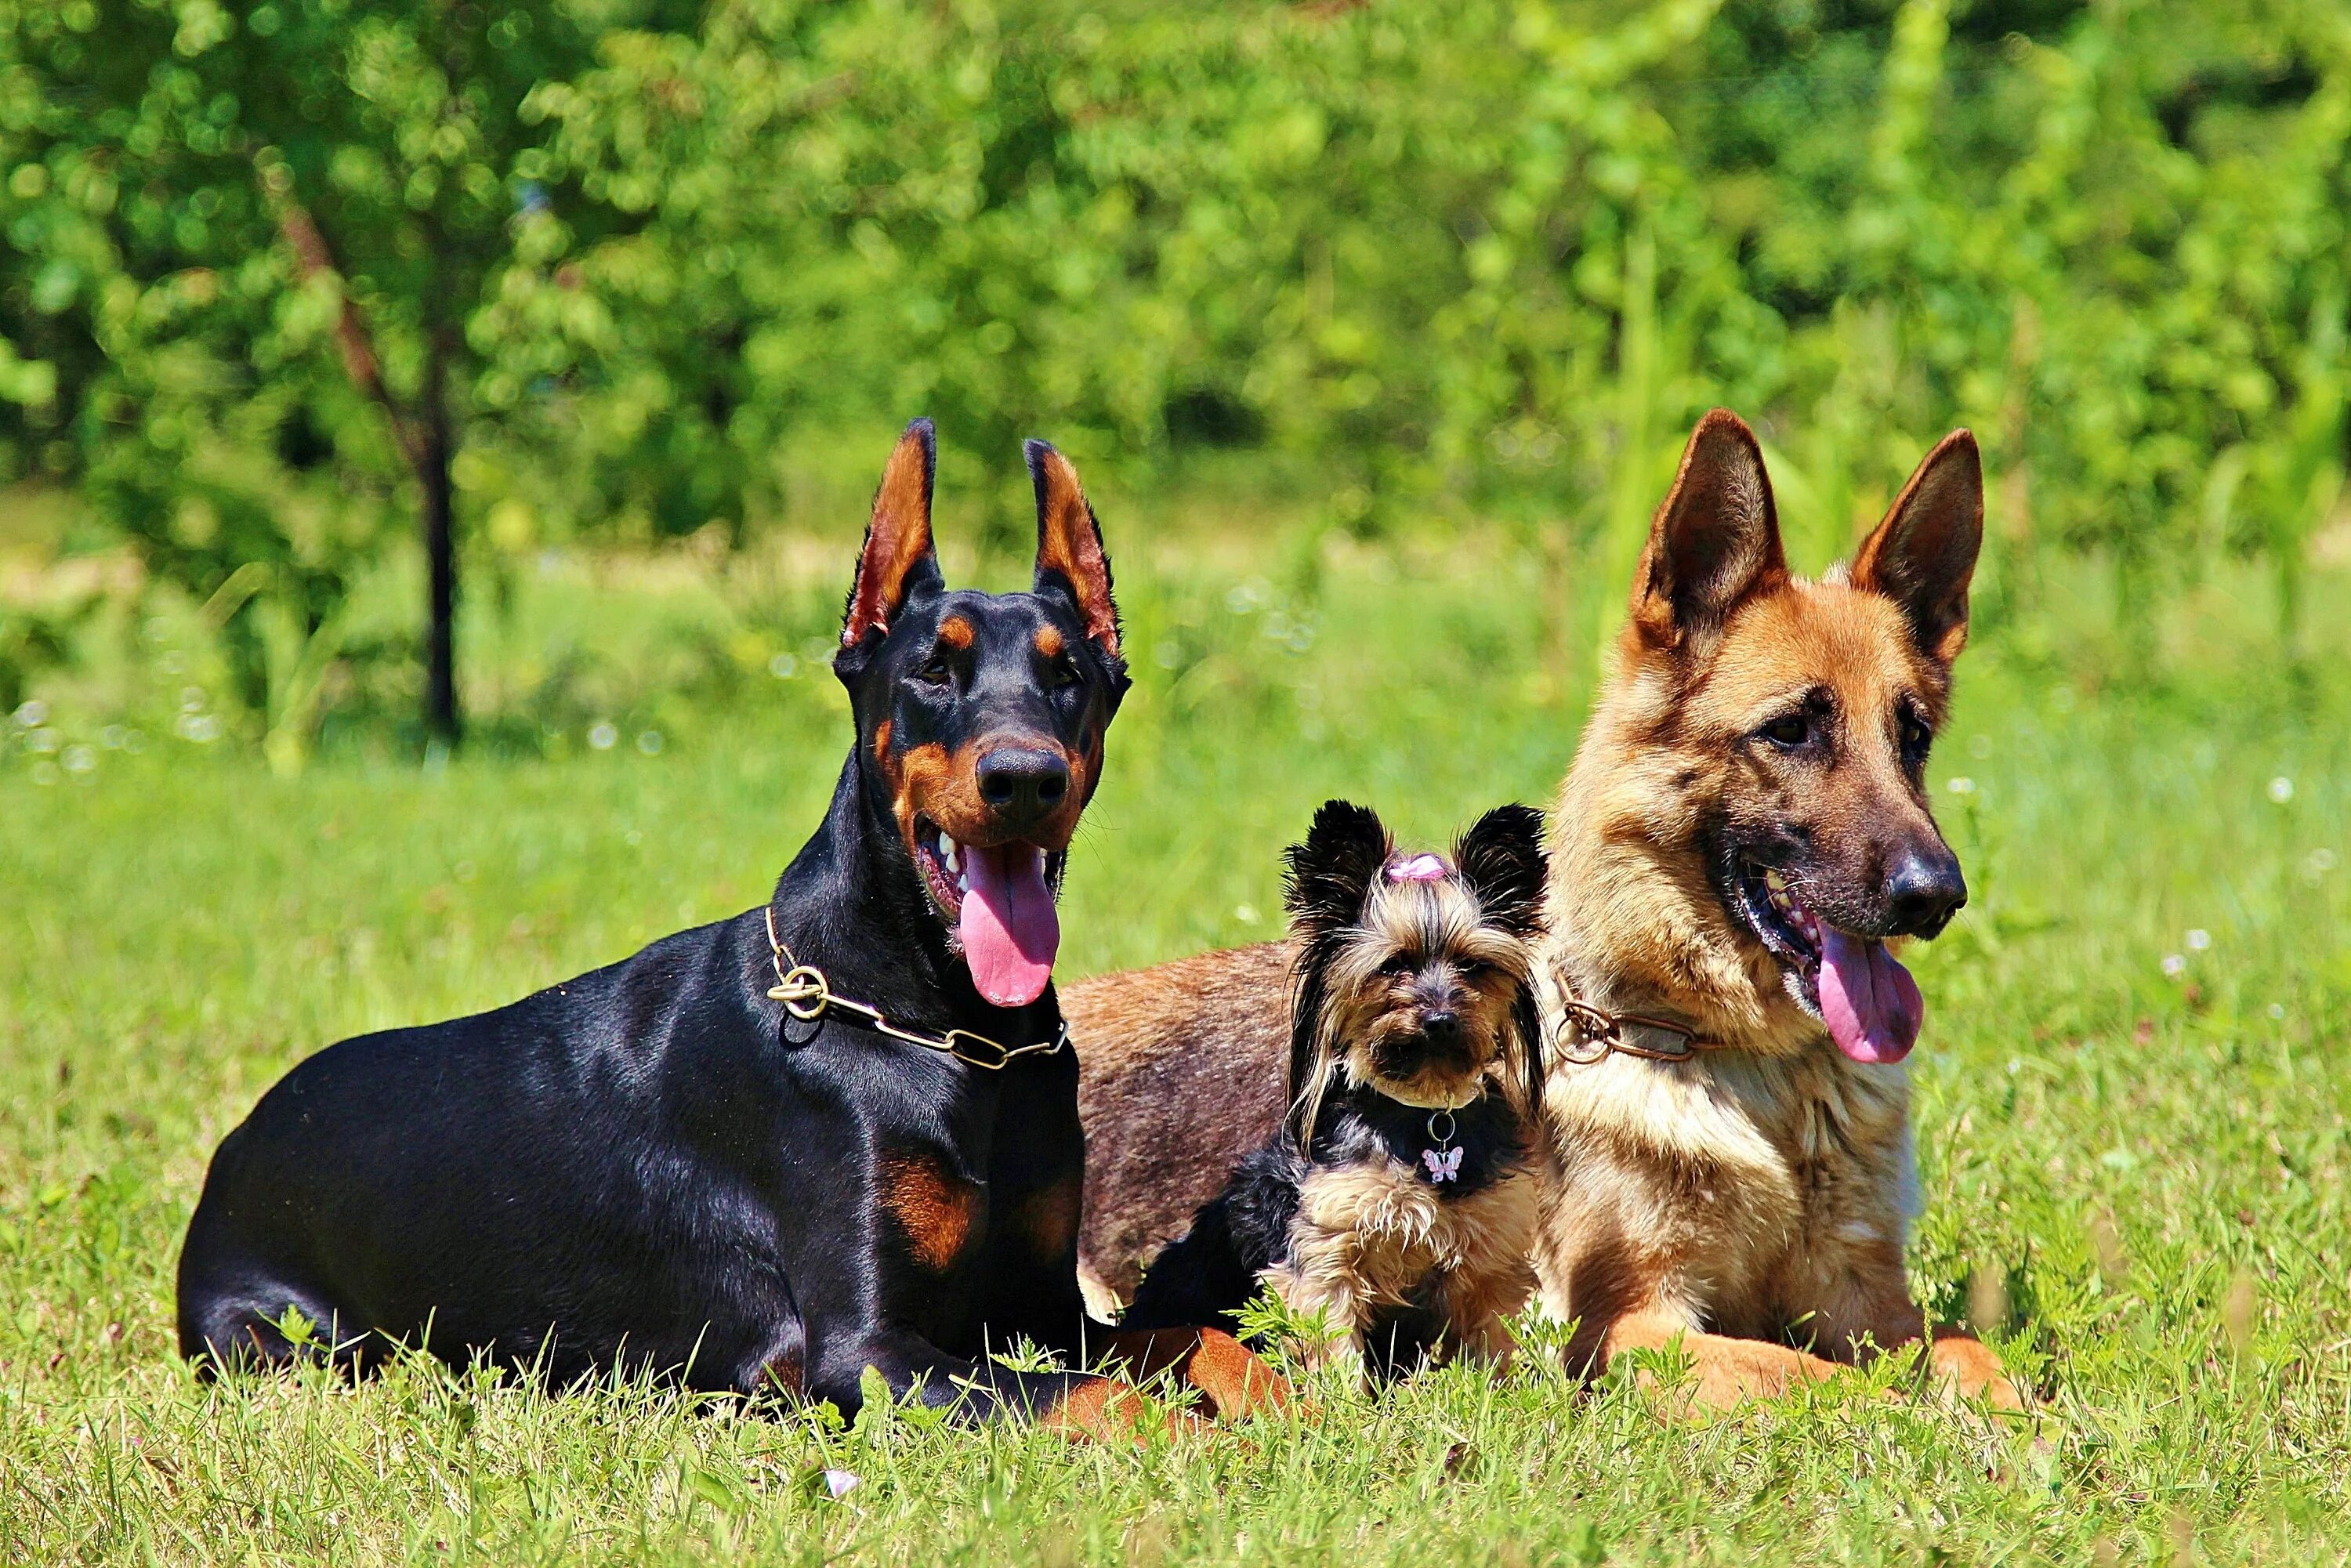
(1789,730)
(1402,964)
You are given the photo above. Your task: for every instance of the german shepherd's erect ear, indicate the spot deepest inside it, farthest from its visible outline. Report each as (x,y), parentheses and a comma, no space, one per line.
(1923,556)
(898,559)
(1714,543)
(1070,559)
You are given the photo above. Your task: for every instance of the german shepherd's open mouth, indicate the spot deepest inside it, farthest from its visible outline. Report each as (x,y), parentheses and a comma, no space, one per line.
(1851,983)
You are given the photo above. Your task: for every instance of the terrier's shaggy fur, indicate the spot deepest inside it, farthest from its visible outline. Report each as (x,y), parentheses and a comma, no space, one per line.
(1397,1198)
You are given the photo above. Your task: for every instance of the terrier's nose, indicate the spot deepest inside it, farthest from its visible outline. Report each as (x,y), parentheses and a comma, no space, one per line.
(1023,781)
(1923,889)
(1441,1028)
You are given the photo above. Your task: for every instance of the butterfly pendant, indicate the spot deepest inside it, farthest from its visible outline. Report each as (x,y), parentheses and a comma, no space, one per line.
(1444,1164)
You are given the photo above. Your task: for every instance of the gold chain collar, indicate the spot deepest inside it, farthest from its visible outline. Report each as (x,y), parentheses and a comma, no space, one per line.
(806,994)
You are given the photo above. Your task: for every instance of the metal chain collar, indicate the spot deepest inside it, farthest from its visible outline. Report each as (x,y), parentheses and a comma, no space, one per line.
(1587,1035)
(807,994)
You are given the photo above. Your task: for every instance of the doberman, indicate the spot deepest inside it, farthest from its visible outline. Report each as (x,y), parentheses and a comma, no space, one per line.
(836,1133)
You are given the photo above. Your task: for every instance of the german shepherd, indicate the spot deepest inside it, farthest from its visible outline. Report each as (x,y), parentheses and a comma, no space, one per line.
(1745,828)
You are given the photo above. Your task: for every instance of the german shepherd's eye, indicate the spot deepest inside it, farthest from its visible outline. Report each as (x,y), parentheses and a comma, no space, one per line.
(1789,731)
(1915,736)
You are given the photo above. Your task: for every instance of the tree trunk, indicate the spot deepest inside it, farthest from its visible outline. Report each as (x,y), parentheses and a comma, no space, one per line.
(442,719)
(425,435)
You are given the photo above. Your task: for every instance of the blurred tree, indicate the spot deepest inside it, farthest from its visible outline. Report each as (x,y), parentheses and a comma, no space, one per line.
(603,264)
(246,253)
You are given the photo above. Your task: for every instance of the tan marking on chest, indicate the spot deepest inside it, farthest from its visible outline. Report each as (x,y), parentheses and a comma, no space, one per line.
(935,1209)
(1048,1218)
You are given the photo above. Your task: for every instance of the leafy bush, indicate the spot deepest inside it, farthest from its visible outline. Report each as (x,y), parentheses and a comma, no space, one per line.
(1471,256)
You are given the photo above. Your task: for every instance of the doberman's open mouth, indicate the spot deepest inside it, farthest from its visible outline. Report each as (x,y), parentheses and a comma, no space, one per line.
(997,903)
(1852,984)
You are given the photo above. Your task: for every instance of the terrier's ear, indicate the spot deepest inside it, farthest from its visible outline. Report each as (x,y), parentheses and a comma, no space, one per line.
(1501,860)
(1070,557)
(1714,542)
(898,557)
(1332,872)
(1923,556)
(1526,1017)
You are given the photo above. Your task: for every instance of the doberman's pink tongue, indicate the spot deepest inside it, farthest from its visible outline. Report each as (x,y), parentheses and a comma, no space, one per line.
(1008,926)
(1870,1002)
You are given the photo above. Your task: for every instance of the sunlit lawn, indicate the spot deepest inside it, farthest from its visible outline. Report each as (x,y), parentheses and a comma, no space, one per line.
(2145,1168)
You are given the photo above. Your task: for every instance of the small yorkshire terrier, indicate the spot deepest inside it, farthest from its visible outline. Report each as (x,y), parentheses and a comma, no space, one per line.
(1399,1196)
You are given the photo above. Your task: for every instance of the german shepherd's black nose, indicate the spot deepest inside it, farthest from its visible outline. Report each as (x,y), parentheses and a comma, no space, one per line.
(1023,782)
(1923,889)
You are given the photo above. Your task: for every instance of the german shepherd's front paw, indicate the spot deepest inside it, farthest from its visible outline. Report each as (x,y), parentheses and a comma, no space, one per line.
(1232,1380)
(1966,1366)
(1113,1410)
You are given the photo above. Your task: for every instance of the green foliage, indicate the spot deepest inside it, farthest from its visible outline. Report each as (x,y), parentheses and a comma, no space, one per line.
(646,259)
(245,255)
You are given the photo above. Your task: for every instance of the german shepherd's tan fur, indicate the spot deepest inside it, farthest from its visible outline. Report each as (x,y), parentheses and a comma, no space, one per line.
(1751,1204)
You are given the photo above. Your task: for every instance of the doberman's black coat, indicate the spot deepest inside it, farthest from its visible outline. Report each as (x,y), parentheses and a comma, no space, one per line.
(652,1164)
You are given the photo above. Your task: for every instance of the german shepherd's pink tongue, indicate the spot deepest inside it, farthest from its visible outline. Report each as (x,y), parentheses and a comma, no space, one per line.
(1869,1001)
(1010,929)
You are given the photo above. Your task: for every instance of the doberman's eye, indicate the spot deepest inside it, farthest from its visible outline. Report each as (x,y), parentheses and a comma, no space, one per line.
(935,671)
(1063,671)
(1789,730)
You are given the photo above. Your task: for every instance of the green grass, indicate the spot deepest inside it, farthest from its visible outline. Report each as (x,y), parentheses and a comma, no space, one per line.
(2141,1176)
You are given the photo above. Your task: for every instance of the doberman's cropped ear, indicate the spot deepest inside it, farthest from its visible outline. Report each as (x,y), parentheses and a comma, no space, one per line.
(1923,556)
(1070,557)
(898,557)
(1332,872)
(1501,860)
(1714,542)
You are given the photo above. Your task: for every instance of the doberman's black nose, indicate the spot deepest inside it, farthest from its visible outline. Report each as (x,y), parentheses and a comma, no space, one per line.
(1923,889)
(1023,781)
